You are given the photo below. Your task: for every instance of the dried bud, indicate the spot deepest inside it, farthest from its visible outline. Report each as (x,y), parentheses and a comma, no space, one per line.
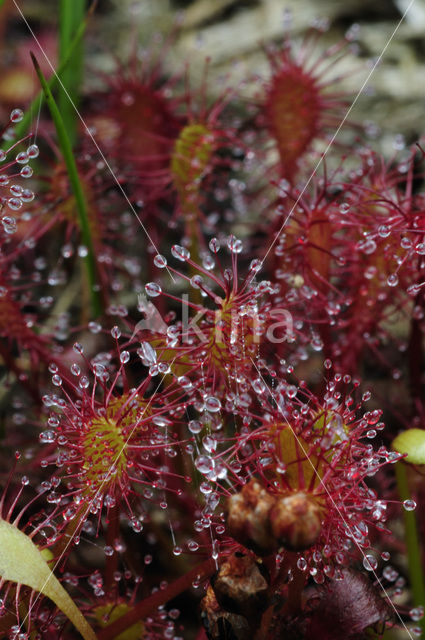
(248,518)
(296,521)
(241,586)
(220,624)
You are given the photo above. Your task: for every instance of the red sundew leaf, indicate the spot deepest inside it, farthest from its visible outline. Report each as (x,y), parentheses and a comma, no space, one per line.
(294,110)
(303,100)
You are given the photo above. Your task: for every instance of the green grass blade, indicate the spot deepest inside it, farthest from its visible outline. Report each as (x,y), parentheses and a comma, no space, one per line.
(76,186)
(414,559)
(71,16)
(21,128)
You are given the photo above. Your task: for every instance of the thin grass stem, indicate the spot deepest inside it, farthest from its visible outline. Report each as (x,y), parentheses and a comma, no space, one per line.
(414,559)
(66,148)
(71,16)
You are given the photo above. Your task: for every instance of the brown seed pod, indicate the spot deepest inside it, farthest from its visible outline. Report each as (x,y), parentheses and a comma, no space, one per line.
(248,518)
(296,521)
(241,585)
(220,624)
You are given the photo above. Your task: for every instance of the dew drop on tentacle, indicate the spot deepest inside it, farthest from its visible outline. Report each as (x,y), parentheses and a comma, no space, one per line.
(180,253)
(234,244)
(160,261)
(409,505)
(16,116)
(153,289)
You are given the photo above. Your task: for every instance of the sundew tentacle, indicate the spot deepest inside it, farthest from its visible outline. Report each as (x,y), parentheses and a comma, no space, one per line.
(309,246)
(351,250)
(301,102)
(14,171)
(140,110)
(17,327)
(221,337)
(199,149)
(28,353)
(112,233)
(308,455)
(173,150)
(110,438)
(383,244)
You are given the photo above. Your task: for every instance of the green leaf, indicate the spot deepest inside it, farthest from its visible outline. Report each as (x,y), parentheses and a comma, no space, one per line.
(22,562)
(76,186)
(412,442)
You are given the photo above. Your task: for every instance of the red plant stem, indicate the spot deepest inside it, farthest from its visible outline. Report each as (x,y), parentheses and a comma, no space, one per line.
(294,598)
(160,597)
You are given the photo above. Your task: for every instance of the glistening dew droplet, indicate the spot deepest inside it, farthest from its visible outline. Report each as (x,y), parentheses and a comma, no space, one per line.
(370,563)
(194,426)
(234,244)
(212,404)
(417,613)
(179,252)
(214,245)
(14,203)
(160,261)
(16,115)
(153,289)
(409,505)
(33,151)
(9,225)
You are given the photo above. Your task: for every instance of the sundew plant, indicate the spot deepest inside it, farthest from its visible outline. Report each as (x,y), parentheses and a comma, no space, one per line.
(211,344)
